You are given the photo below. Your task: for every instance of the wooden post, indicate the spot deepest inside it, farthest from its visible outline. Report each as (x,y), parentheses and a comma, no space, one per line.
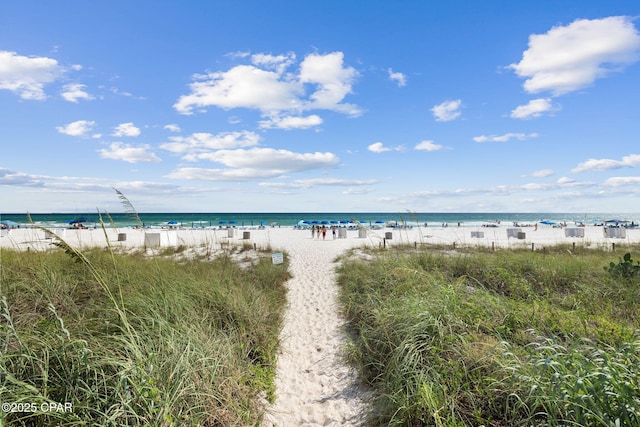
(613,247)
(533,247)
(493,246)
(415,245)
(574,246)
(454,245)
(384,243)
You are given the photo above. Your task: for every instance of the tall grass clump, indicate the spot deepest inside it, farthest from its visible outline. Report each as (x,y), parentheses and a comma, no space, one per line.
(137,341)
(506,338)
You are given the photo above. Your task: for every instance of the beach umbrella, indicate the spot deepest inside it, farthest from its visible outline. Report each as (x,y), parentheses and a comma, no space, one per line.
(79,220)
(333,222)
(379,222)
(325,222)
(344,221)
(233,222)
(222,222)
(9,223)
(172,222)
(315,221)
(547,222)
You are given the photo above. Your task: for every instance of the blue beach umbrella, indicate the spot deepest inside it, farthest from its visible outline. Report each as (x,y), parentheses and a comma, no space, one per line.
(9,223)
(615,221)
(222,222)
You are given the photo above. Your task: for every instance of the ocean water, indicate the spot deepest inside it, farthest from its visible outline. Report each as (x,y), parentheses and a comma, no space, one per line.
(288,219)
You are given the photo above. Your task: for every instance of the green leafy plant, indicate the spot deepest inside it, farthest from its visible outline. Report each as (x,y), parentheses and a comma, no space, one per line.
(625,267)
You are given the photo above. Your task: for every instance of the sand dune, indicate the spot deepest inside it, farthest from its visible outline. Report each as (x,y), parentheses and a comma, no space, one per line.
(315,387)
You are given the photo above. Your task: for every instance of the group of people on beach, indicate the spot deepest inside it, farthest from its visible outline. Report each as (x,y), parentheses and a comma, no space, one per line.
(317,231)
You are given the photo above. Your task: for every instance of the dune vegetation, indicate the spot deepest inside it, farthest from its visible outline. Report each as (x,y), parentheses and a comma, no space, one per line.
(137,340)
(496,338)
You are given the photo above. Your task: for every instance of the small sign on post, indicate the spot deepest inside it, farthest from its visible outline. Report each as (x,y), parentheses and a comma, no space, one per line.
(277,258)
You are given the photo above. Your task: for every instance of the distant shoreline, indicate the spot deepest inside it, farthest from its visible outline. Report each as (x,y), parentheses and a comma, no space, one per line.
(284,219)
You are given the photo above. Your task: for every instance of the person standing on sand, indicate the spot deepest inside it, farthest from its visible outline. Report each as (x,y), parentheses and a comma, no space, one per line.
(333,231)
(313,231)
(324,232)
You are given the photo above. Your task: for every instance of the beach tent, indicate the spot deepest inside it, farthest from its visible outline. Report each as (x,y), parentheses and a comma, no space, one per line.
(77,220)
(616,221)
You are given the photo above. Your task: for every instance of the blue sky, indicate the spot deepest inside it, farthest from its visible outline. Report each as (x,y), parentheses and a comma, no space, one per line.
(332,106)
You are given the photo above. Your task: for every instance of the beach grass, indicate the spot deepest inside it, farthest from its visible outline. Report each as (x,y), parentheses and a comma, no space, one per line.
(496,338)
(132,339)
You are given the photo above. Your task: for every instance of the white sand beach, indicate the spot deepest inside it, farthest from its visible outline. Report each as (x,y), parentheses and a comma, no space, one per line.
(315,387)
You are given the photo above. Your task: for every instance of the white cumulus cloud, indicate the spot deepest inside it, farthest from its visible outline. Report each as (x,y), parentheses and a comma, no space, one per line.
(618,181)
(534,108)
(255,163)
(631,160)
(74,92)
(27,76)
(200,142)
(128,153)
(77,128)
(322,82)
(379,147)
(428,146)
(571,57)
(126,129)
(397,77)
(447,111)
(291,122)
(172,127)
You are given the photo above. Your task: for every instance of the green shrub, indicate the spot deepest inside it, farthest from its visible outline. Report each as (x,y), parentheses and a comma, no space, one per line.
(625,267)
(510,338)
(132,341)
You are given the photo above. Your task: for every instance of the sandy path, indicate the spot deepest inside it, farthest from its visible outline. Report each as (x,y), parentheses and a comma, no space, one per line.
(314,385)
